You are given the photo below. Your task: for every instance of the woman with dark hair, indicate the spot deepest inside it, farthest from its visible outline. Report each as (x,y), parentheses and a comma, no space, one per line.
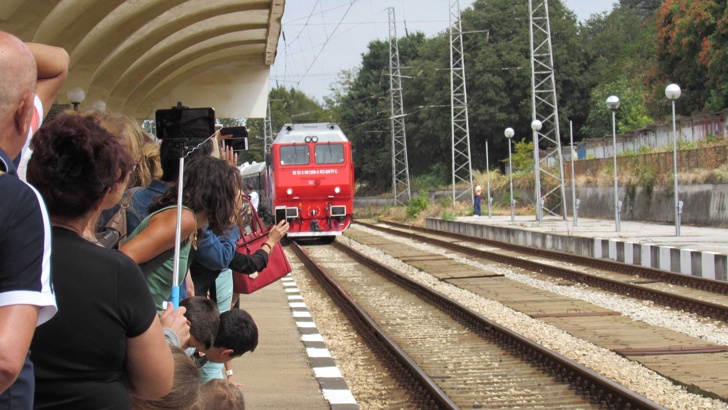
(212,189)
(106,341)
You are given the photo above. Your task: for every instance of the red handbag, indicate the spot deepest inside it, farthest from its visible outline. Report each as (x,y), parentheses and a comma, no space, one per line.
(278,265)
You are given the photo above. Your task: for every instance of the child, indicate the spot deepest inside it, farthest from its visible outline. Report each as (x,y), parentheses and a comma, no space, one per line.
(204,319)
(236,335)
(220,394)
(185,388)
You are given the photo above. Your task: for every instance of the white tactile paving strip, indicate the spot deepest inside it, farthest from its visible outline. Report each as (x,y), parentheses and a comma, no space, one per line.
(333,386)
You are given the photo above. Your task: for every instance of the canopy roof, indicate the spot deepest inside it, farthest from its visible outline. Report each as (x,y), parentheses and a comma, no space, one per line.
(137,56)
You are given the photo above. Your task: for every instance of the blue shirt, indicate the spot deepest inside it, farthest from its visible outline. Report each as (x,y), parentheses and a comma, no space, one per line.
(140,201)
(214,252)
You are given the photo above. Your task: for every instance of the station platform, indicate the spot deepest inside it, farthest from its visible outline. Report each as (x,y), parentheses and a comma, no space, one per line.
(291,367)
(698,251)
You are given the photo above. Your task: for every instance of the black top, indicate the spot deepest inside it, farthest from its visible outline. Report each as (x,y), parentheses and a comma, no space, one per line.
(204,278)
(102,300)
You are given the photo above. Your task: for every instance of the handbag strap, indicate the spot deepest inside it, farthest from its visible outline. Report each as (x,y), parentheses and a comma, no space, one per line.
(117,219)
(128,196)
(257,225)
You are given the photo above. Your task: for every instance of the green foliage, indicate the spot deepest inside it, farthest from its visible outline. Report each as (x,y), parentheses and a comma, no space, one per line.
(522,156)
(643,8)
(416,205)
(444,201)
(436,178)
(632,112)
(497,62)
(448,215)
(287,106)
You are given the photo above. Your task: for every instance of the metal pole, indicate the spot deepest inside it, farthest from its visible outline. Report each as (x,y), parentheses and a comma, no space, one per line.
(178,235)
(573,181)
(537,177)
(510,174)
(616,194)
(487,170)
(674,160)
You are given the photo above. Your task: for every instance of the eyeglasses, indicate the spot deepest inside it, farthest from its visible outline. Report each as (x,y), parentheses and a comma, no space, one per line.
(133,167)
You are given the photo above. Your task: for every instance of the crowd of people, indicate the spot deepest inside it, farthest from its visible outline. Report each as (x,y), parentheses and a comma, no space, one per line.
(85,322)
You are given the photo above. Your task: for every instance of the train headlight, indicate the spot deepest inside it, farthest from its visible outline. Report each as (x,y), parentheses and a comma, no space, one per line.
(289,191)
(337,190)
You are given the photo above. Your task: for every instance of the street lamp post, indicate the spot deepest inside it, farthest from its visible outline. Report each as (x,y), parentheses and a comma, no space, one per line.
(76,96)
(672,92)
(573,180)
(509,134)
(536,127)
(487,170)
(613,104)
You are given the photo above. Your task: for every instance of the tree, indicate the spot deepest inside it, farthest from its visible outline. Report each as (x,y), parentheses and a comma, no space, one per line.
(644,8)
(632,113)
(497,71)
(692,37)
(287,106)
(362,105)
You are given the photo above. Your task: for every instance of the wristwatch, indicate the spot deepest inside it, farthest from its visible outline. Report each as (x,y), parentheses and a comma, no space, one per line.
(229,372)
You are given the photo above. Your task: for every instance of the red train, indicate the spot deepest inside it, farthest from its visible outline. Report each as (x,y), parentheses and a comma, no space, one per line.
(313,178)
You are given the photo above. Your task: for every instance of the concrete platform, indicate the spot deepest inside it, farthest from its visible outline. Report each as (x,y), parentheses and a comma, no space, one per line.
(289,368)
(698,251)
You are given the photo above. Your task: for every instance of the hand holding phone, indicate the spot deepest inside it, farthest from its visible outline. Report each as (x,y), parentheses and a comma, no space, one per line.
(280,214)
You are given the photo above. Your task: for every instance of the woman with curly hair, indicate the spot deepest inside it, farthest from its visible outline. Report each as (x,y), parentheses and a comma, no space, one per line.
(106,343)
(212,189)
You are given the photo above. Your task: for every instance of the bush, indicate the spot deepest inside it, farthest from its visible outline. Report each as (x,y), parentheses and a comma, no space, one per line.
(416,205)
(447,215)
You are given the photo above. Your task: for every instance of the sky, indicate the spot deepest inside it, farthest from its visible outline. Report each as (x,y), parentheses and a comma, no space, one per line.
(323,37)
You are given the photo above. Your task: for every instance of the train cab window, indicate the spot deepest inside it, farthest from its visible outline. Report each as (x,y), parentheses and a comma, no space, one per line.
(295,154)
(329,153)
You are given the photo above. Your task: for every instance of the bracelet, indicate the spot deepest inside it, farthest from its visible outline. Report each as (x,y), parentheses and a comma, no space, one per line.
(229,372)
(270,248)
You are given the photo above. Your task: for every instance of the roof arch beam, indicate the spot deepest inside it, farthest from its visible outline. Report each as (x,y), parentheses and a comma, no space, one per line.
(174,71)
(124,49)
(112,81)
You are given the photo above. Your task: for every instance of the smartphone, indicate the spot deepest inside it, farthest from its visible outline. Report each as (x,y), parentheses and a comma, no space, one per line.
(239,139)
(236,132)
(183,122)
(280,214)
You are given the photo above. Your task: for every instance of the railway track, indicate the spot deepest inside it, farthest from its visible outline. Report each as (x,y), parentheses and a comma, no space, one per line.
(453,356)
(701,296)
(687,360)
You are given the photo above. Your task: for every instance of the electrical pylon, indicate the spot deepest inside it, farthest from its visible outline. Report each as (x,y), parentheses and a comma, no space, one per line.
(545,109)
(267,131)
(400,167)
(461,167)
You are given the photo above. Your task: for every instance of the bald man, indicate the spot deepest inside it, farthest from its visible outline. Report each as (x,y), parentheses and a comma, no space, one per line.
(31,74)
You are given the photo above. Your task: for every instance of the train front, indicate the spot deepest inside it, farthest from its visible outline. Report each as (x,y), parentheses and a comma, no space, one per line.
(313,178)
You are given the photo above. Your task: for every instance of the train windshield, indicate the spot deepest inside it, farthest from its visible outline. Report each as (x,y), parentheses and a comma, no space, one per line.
(295,154)
(329,153)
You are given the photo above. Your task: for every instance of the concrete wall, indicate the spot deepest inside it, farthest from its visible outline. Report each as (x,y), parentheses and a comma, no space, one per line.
(703,205)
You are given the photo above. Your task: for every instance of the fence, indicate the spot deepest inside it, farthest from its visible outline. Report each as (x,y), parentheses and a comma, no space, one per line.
(660,162)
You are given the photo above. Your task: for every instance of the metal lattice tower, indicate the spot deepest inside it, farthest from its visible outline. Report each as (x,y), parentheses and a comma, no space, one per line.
(267,131)
(461,167)
(400,168)
(545,109)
